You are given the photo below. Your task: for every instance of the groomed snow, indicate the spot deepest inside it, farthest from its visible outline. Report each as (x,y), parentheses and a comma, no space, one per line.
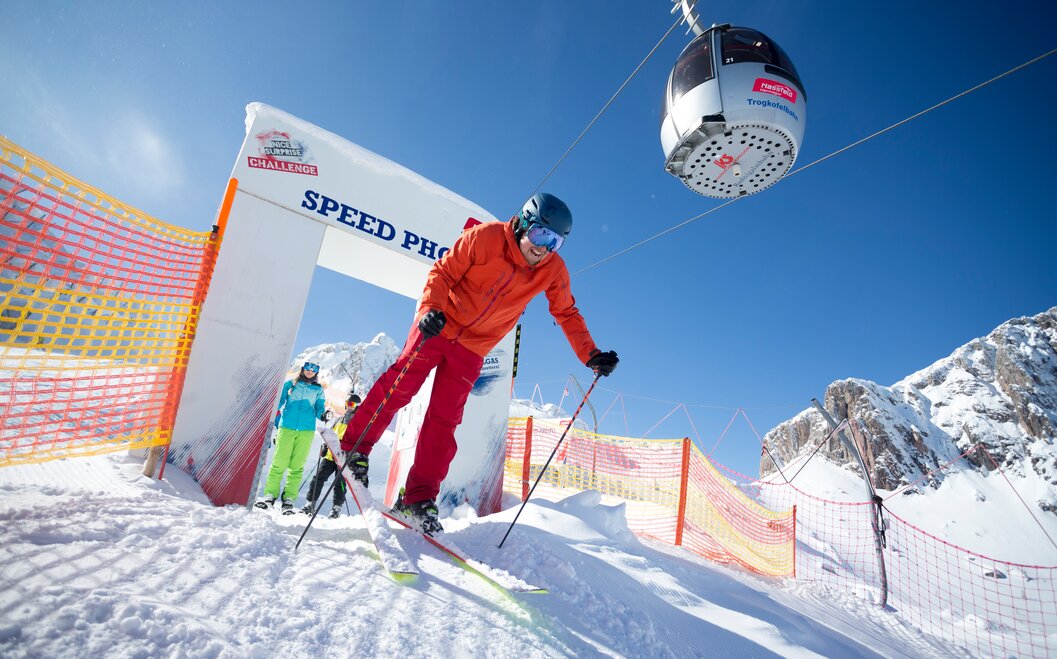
(101,561)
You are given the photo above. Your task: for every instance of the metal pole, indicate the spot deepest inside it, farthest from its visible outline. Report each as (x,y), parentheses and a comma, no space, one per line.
(319,459)
(547,464)
(875,519)
(590,405)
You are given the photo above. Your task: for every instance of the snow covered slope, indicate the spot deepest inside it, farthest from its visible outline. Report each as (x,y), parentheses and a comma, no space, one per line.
(99,561)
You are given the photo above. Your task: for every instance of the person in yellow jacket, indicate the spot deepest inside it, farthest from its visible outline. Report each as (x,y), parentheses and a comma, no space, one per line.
(328,467)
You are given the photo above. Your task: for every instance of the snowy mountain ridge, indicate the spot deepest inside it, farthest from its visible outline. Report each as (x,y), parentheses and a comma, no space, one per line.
(998,393)
(346,368)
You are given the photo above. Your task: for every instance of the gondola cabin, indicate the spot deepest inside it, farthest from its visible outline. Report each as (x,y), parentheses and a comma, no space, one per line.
(733,114)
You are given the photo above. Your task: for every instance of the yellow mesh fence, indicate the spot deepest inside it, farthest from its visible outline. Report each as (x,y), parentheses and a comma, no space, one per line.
(671,490)
(725,525)
(98,306)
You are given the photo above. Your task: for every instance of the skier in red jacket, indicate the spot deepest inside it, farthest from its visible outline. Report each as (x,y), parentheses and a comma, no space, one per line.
(473,297)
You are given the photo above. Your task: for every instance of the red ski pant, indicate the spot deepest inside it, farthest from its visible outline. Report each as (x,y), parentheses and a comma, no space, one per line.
(457,370)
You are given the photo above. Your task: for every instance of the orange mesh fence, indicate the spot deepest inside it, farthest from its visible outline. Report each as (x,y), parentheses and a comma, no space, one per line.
(985,606)
(671,491)
(98,305)
(726,526)
(990,607)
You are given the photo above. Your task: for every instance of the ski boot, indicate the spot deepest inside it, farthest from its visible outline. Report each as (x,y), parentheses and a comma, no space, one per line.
(288,507)
(421,515)
(358,465)
(335,512)
(309,508)
(267,502)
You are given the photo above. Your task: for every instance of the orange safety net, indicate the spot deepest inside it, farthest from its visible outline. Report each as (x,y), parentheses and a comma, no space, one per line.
(98,306)
(979,605)
(672,492)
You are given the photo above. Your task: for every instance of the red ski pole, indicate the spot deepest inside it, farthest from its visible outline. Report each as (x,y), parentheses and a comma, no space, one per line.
(348,455)
(555,451)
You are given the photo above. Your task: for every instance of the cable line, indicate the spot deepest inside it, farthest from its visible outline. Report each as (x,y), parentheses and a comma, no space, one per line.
(700,405)
(666,231)
(606,106)
(826,157)
(923,112)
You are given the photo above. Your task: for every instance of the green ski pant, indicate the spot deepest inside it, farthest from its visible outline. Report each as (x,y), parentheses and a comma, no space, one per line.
(291,450)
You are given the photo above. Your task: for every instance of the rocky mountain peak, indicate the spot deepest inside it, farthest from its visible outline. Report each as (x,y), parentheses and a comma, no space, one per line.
(994,398)
(346,368)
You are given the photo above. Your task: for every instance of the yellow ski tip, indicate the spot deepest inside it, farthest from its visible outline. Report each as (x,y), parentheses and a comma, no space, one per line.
(404,578)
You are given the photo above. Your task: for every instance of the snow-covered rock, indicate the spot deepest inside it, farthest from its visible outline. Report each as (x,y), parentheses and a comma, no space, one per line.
(999,391)
(346,368)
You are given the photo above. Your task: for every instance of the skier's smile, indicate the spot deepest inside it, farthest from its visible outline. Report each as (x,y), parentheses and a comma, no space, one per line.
(533,253)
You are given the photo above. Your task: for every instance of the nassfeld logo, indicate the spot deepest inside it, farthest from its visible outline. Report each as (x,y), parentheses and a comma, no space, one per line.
(765,86)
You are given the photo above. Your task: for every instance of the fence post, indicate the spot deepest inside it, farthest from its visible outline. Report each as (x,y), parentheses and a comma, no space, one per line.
(187,336)
(684,473)
(151,463)
(526,462)
(875,516)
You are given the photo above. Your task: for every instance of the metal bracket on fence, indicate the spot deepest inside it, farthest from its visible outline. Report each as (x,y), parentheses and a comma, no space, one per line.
(879,521)
(876,521)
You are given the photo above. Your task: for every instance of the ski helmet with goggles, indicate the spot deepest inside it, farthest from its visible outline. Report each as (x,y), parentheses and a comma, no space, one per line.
(546,210)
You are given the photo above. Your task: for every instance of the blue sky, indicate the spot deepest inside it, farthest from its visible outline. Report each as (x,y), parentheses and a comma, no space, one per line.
(873,264)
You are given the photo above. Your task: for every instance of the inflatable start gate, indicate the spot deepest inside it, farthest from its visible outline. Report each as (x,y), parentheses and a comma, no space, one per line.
(301,197)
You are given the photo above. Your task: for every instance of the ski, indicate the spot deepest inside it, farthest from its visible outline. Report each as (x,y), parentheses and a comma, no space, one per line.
(497,578)
(392,555)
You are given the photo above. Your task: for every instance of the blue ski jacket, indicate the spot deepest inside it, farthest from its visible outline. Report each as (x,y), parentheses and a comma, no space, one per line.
(300,404)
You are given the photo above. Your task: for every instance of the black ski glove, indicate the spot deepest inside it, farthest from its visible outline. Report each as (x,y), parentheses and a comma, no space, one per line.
(603,363)
(326,416)
(432,323)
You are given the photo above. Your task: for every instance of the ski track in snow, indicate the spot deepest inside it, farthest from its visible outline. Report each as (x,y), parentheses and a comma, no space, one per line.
(98,560)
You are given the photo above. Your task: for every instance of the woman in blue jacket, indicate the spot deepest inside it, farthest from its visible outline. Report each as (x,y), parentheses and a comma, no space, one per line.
(301,403)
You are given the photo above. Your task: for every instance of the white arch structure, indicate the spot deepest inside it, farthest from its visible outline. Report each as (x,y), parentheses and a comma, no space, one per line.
(301,197)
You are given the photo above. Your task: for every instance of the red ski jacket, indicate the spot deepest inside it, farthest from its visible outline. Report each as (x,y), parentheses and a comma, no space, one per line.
(484,283)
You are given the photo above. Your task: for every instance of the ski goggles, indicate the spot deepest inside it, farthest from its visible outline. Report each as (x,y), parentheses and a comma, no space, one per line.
(310,366)
(541,236)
